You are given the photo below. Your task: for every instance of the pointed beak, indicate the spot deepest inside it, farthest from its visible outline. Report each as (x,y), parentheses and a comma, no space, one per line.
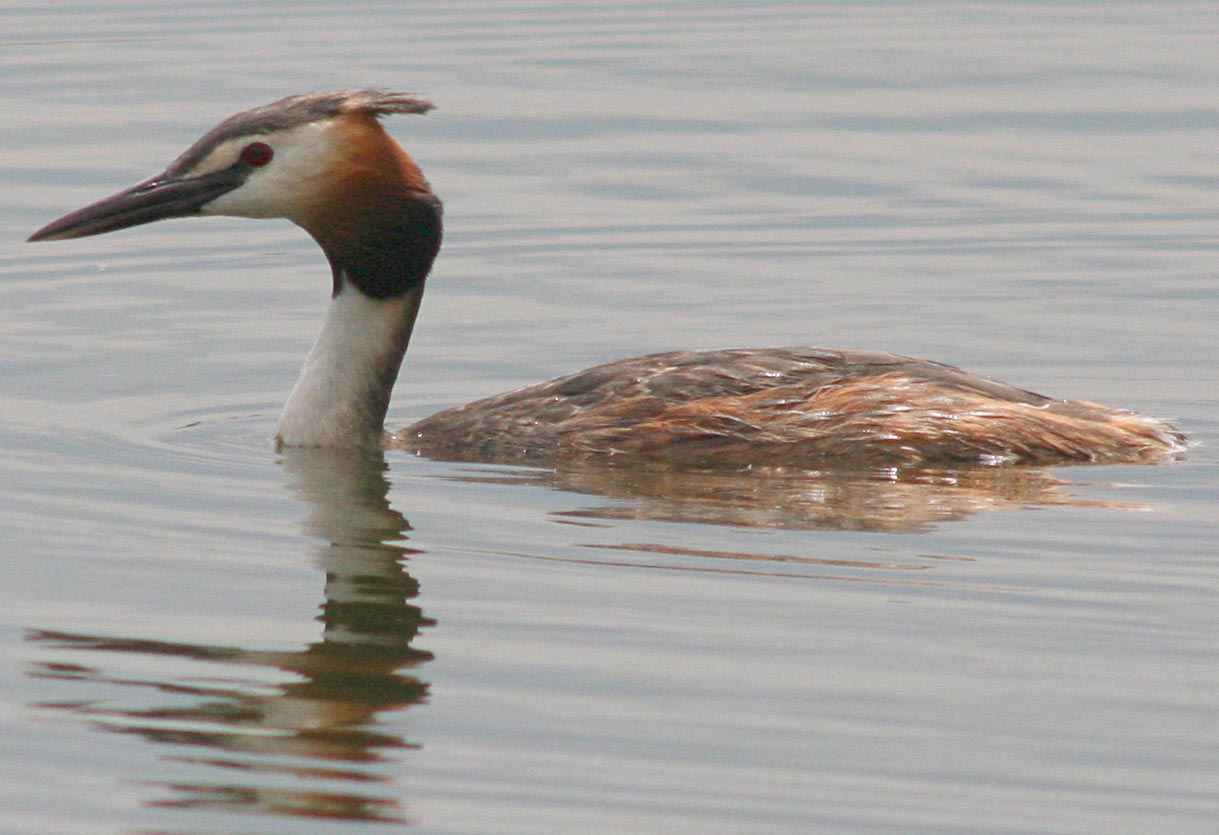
(161,197)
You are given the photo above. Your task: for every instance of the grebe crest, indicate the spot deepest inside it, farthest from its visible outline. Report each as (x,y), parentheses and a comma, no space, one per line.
(324,161)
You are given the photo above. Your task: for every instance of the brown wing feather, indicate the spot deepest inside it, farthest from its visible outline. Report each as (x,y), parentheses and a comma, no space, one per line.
(798,406)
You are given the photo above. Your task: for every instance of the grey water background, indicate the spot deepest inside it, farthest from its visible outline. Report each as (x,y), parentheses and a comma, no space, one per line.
(202,636)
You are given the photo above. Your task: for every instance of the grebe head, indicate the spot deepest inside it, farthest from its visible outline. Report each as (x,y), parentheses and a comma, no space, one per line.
(323,161)
(320,160)
(280,160)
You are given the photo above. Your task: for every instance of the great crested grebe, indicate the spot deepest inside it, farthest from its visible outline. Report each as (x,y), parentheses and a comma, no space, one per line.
(324,162)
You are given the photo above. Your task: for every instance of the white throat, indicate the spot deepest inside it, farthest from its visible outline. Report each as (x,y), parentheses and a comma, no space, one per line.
(345,385)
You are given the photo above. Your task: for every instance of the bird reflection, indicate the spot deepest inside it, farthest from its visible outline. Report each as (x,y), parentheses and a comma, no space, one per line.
(885,499)
(307,713)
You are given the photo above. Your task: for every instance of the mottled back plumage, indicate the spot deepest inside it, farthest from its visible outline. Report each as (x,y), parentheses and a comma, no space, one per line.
(786,406)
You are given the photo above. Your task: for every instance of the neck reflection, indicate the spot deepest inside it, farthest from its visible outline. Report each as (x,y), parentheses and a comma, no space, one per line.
(309,713)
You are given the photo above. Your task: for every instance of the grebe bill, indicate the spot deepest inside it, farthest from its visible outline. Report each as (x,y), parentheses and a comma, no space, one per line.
(323,161)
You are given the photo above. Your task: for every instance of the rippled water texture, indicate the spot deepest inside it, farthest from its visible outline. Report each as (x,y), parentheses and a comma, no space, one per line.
(200,635)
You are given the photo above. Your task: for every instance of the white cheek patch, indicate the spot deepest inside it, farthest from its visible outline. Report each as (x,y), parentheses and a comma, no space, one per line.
(281,188)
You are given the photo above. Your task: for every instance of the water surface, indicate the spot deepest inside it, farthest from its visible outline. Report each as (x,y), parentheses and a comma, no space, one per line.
(203,636)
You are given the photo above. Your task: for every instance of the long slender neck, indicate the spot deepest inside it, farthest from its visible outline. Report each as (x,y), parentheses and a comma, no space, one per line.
(344,388)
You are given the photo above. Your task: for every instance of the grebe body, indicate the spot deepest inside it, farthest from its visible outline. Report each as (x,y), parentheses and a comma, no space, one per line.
(324,162)
(786,407)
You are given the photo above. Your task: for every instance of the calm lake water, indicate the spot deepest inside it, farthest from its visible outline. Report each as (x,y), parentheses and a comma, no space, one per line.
(200,635)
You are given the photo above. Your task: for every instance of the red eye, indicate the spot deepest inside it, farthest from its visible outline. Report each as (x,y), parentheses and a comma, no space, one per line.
(257,154)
